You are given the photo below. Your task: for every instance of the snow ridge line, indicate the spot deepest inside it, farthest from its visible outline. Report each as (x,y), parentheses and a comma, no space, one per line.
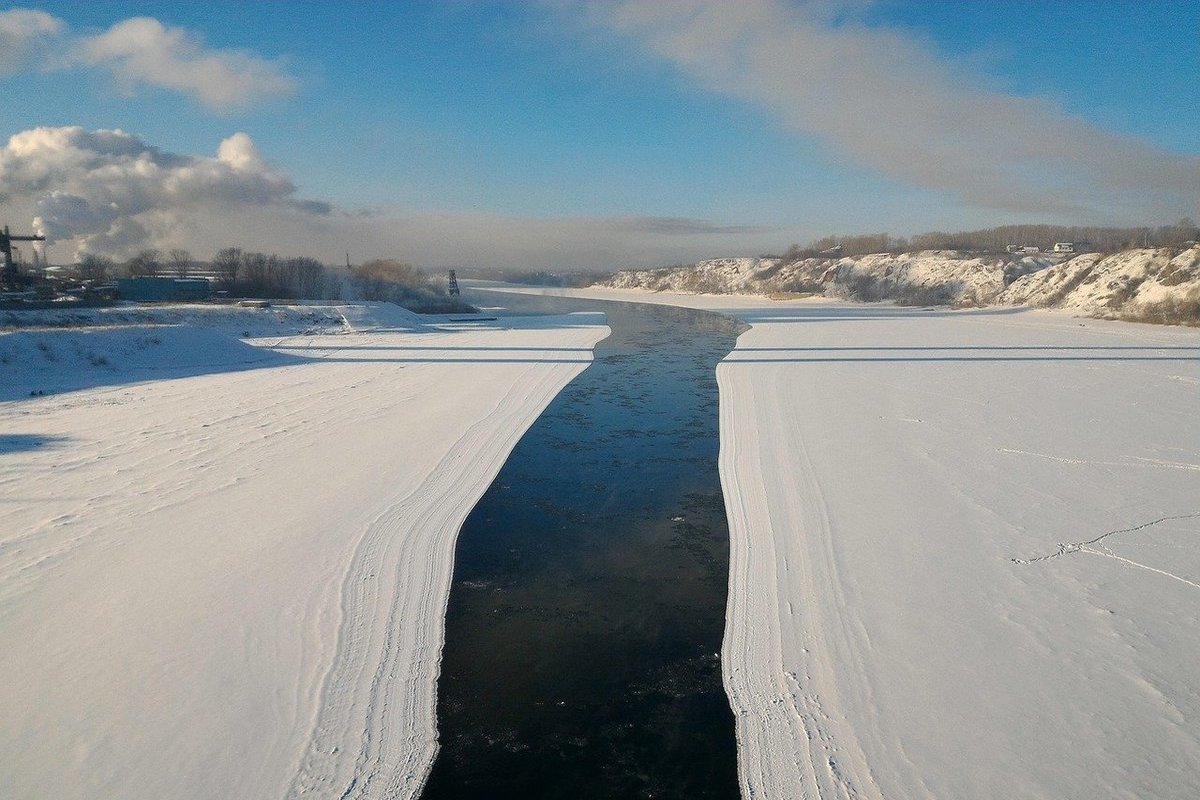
(790,740)
(375,732)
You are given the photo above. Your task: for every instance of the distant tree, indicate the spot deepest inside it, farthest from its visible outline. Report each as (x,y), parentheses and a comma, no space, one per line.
(381,278)
(272,281)
(180,261)
(305,277)
(403,284)
(94,267)
(1176,235)
(269,275)
(254,273)
(227,263)
(859,245)
(1085,238)
(146,263)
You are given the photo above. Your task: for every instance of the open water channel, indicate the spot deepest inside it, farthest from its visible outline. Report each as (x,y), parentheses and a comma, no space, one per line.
(585,620)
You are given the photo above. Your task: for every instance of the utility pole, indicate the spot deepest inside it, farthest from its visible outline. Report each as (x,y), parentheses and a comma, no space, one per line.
(9,277)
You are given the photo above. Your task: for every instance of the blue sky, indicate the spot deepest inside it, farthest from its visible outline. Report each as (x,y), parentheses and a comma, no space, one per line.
(528,116)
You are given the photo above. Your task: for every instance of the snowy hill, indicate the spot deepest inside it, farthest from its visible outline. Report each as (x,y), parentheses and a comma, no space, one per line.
(1152,284)
(1155,284)
(931,276)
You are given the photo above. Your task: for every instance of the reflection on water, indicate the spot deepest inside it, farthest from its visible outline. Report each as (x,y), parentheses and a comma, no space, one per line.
(588,604)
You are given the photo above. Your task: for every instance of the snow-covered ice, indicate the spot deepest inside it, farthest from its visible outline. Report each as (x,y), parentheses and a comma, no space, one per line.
(965,551)
(964,556)
(226,543)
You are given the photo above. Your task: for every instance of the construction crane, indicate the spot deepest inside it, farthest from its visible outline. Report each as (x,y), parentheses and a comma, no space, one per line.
(9,278)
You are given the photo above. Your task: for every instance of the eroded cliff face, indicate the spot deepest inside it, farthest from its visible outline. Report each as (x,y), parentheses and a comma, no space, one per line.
(1152,284)
(1156,284)
(932,276)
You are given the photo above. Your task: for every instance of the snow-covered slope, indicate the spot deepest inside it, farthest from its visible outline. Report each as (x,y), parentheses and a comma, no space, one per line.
(232,583)
(1158,285)
(48,351)
(1148,283)
(716,276)
(274,319)
(931,276)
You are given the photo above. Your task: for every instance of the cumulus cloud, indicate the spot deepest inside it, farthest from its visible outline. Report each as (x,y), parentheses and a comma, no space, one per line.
(111,192)
(880,98)
(143,52)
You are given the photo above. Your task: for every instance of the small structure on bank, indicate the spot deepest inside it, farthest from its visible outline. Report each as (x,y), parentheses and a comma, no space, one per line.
(9,278)
(163,290)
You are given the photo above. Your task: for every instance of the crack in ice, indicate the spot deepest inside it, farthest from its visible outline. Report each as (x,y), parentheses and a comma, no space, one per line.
(1094,547)
(1138,461)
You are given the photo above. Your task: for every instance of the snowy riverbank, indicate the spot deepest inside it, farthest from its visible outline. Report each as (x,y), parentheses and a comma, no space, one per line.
(964,551)
(1150,284)
(231,582)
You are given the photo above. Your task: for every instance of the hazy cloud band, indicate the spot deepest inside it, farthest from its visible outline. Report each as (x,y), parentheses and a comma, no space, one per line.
(879,98)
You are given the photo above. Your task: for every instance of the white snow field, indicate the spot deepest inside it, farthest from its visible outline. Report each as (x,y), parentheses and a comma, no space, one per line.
(965,551)
(224,562)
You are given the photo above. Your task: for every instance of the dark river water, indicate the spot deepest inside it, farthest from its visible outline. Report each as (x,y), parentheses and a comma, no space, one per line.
(586,614)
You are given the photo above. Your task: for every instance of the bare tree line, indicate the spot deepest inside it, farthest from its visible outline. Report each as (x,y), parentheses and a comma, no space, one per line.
(995,240)
(244,273)
(248,274)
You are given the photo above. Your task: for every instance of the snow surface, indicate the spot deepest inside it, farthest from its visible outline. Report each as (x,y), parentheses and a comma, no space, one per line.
(965,551)
(227,539)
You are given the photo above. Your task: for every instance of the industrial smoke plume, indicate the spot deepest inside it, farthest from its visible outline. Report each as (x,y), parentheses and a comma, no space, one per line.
(113,193)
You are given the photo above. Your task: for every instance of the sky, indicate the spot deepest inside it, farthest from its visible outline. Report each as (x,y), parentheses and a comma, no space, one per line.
(557,135)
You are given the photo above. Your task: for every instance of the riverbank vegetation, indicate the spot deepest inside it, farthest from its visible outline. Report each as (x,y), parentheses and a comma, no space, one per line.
(248,274)
(1002,238)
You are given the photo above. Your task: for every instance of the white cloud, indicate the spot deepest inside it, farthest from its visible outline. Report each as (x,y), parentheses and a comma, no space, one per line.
(144,51)
(108,191)
(880,98)
(22,31)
